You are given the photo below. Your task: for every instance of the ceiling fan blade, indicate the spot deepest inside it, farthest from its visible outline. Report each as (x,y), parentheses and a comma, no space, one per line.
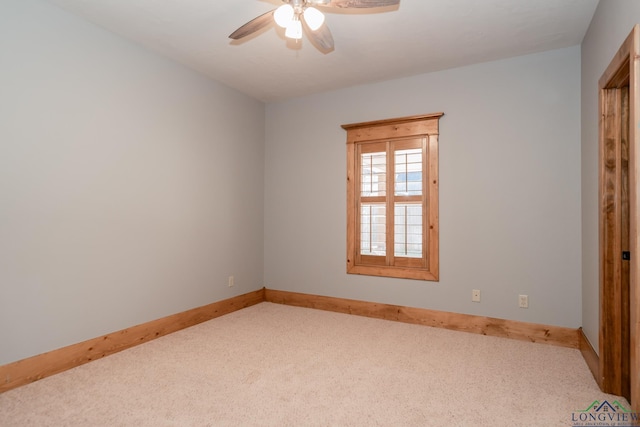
(252,26)
(321,37)
(359,3)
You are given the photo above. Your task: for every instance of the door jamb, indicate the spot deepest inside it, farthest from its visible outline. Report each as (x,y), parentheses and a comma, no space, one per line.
(624,64)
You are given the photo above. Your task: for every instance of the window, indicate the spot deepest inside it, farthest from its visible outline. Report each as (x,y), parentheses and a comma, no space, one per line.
(392,197)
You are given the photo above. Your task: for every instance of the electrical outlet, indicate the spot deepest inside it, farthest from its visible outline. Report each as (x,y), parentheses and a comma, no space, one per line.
(231,282)
(523,301)
(475,295)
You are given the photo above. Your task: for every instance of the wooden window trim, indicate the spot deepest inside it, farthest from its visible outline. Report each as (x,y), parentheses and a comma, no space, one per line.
(359,134)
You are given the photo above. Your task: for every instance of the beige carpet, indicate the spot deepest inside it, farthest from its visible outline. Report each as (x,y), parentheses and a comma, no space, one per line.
(274,365)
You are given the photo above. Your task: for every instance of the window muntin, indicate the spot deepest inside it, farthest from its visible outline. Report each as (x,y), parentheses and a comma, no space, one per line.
(373,219)
(373,179)
(408,172)
(408,230)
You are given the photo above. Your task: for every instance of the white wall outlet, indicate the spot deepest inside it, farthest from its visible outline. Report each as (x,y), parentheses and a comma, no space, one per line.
(523,301)
(231,282)
(475,295)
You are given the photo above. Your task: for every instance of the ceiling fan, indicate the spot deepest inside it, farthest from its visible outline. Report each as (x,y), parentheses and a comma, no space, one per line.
(294,15)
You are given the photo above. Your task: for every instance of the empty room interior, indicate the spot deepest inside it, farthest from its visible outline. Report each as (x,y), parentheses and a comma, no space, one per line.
(158,176)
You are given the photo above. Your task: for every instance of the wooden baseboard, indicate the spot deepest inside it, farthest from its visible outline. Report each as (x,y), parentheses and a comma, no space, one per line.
(554,335)
(43,365)
(590,356)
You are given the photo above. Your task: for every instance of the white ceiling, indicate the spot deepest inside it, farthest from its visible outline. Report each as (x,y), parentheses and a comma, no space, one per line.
(417,37)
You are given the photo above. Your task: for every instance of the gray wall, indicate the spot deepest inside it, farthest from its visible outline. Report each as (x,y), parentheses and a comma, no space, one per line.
(610,26)
(509,188)
(130,187)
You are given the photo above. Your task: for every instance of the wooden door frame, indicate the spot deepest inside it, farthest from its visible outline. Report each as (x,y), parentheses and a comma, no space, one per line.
(623,68)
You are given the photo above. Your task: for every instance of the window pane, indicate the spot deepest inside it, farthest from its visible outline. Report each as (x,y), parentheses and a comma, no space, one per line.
(408,176)
(374,174)
(373,228)
(408,230)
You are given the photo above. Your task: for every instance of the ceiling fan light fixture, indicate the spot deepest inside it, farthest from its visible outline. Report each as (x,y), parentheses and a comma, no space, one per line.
(294,29)
(314,18)
(283,15)
(291,14)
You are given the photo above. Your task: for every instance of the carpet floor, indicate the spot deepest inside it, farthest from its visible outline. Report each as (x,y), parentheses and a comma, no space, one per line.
(276,365)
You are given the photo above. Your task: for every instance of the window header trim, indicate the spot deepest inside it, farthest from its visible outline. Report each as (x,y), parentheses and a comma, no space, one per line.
(425,124)
(397,121)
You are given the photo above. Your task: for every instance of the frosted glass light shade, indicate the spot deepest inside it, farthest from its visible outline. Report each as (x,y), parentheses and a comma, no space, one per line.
(283,15)
(313,17)
(294,30)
